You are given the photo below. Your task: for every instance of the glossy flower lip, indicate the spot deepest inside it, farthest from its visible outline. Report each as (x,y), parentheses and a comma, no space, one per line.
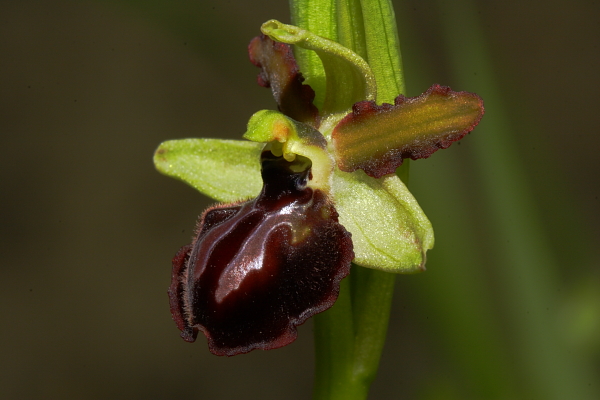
(258,269)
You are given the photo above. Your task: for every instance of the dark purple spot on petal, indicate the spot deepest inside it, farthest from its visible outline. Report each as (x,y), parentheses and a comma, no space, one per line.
(258,269)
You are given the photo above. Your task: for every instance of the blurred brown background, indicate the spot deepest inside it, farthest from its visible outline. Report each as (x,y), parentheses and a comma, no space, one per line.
(88,89)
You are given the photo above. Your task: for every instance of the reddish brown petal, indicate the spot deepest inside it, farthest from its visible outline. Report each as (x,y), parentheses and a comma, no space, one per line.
(258,269)
(279,71)
(377,138)
(176,289)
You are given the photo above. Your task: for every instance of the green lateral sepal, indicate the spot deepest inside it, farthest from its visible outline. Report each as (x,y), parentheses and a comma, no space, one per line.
(226,170)
(389,229)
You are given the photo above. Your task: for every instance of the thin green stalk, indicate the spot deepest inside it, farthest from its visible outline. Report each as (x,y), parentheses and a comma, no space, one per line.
(372,295)
(334,343)
(349,338)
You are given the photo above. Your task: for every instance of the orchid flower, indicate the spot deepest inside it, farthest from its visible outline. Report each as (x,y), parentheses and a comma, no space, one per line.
(311,190)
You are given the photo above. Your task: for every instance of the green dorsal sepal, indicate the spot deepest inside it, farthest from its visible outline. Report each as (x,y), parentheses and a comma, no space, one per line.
(349,78)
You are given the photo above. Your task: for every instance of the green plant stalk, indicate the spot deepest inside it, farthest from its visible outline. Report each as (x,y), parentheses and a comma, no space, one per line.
(349,337)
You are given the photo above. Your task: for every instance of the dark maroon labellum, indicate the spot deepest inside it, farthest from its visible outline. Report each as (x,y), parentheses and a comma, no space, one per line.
(258,269)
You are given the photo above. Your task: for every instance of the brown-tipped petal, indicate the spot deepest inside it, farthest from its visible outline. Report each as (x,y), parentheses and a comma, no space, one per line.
(279,71)
(258,269)
(377,138)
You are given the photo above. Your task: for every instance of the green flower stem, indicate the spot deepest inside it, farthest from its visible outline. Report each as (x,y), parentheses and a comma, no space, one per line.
(334,344)
(349,337)
(372,299)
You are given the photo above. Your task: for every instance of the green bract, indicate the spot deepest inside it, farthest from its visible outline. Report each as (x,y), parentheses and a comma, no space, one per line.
(353,143)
